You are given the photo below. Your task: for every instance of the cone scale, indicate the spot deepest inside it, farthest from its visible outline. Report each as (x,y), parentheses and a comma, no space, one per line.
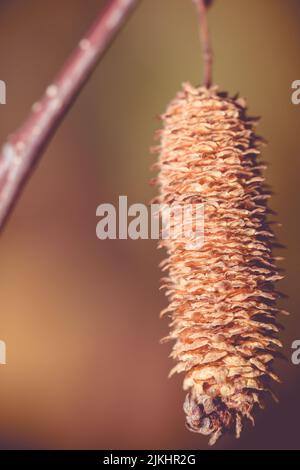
(222,298)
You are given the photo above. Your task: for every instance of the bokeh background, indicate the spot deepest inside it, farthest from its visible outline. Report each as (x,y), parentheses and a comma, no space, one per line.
(79,315)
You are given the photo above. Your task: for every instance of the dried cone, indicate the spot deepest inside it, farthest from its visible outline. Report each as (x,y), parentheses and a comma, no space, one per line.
(222,296)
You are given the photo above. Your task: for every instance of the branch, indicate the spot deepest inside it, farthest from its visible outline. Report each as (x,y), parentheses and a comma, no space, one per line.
(202,6)
(24,147)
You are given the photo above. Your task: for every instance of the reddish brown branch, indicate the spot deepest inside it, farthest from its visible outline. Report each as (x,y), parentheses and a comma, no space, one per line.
(24,147)
(202,6)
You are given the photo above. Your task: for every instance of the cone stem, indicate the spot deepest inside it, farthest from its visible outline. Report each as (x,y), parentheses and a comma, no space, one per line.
(205,42)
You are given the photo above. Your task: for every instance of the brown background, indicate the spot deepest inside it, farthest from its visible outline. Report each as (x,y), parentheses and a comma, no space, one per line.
(79,315)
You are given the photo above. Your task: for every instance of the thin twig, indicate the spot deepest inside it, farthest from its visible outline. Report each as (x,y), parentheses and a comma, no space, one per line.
(23,148)
(202,6)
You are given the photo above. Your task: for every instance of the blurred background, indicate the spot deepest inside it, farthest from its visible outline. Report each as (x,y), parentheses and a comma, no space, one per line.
(80,316)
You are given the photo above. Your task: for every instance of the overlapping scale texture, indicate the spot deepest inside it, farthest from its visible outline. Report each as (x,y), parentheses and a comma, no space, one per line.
(222,299)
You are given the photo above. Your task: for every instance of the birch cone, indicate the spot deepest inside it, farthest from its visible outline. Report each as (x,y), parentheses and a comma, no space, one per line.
(222,299)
